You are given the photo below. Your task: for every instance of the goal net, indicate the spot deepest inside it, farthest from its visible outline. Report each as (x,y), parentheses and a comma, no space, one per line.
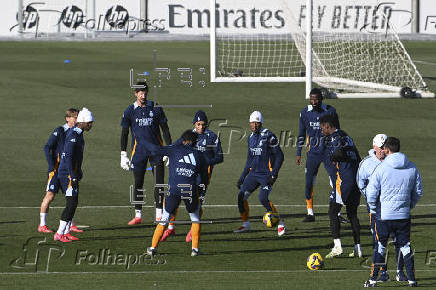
(355,51)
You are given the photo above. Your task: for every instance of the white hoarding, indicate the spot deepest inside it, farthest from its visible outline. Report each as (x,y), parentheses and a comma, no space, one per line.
(427,16)
(8,19)
(193,16)
(71,16)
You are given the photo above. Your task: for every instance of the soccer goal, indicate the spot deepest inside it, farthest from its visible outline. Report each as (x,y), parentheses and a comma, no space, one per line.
(352,54)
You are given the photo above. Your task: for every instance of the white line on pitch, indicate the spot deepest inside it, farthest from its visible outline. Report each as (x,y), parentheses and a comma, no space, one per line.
(194,271)
(206,205)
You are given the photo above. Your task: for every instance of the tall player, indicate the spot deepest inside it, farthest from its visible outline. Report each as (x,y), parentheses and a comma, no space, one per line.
(144,119)
(343,153)
(70,173)
(209,143)
(264,159)
(309,125)
(52,150)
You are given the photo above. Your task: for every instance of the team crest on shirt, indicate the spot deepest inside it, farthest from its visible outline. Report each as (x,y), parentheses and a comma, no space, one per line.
(201,146)
(151,114)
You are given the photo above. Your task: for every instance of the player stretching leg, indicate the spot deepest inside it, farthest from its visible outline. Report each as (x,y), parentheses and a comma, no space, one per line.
(143,118)
(209,143)
(52,150)
(70,173)
(263,152)
(186,164)
(342,151)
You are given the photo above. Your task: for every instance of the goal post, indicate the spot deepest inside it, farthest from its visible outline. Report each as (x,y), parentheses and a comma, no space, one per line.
(287,41)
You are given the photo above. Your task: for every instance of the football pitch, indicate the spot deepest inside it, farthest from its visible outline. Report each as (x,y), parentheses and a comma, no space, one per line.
(37,85)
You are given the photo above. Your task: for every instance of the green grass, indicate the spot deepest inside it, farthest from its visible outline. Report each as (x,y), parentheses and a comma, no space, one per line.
(36,87)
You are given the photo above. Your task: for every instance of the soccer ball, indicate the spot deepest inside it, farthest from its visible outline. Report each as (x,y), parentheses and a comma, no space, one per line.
(315,262)
(271,219)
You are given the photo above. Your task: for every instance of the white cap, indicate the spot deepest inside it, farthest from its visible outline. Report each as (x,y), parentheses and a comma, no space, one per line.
(379,140)
(256,116)
(85,116)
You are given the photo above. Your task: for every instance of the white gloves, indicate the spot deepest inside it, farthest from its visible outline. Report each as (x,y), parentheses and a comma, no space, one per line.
(166,161)
(125,161)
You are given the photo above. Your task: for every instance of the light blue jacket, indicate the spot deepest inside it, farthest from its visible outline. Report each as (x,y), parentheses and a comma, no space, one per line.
(394,188)
(366,168)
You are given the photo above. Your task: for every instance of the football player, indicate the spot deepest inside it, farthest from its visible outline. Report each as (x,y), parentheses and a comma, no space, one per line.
(144,119)
(52,150)
(186,165)
(343,153)
(264,159)
(209,143)
(70,173)
(309,125)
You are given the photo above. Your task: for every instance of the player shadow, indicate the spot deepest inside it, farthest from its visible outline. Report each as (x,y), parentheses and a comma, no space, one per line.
(263,250)
(233,219)
(8,236)
(247,237)
(299,216)
(291,217)
(428,285)
(122,228)
(351,245)
(398,285)
(224,220)
(429,78)
(12,222)
(106,238)
(313,229)
(422,224)
(365,226)
(242,236)
(424,216)
(427,278)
